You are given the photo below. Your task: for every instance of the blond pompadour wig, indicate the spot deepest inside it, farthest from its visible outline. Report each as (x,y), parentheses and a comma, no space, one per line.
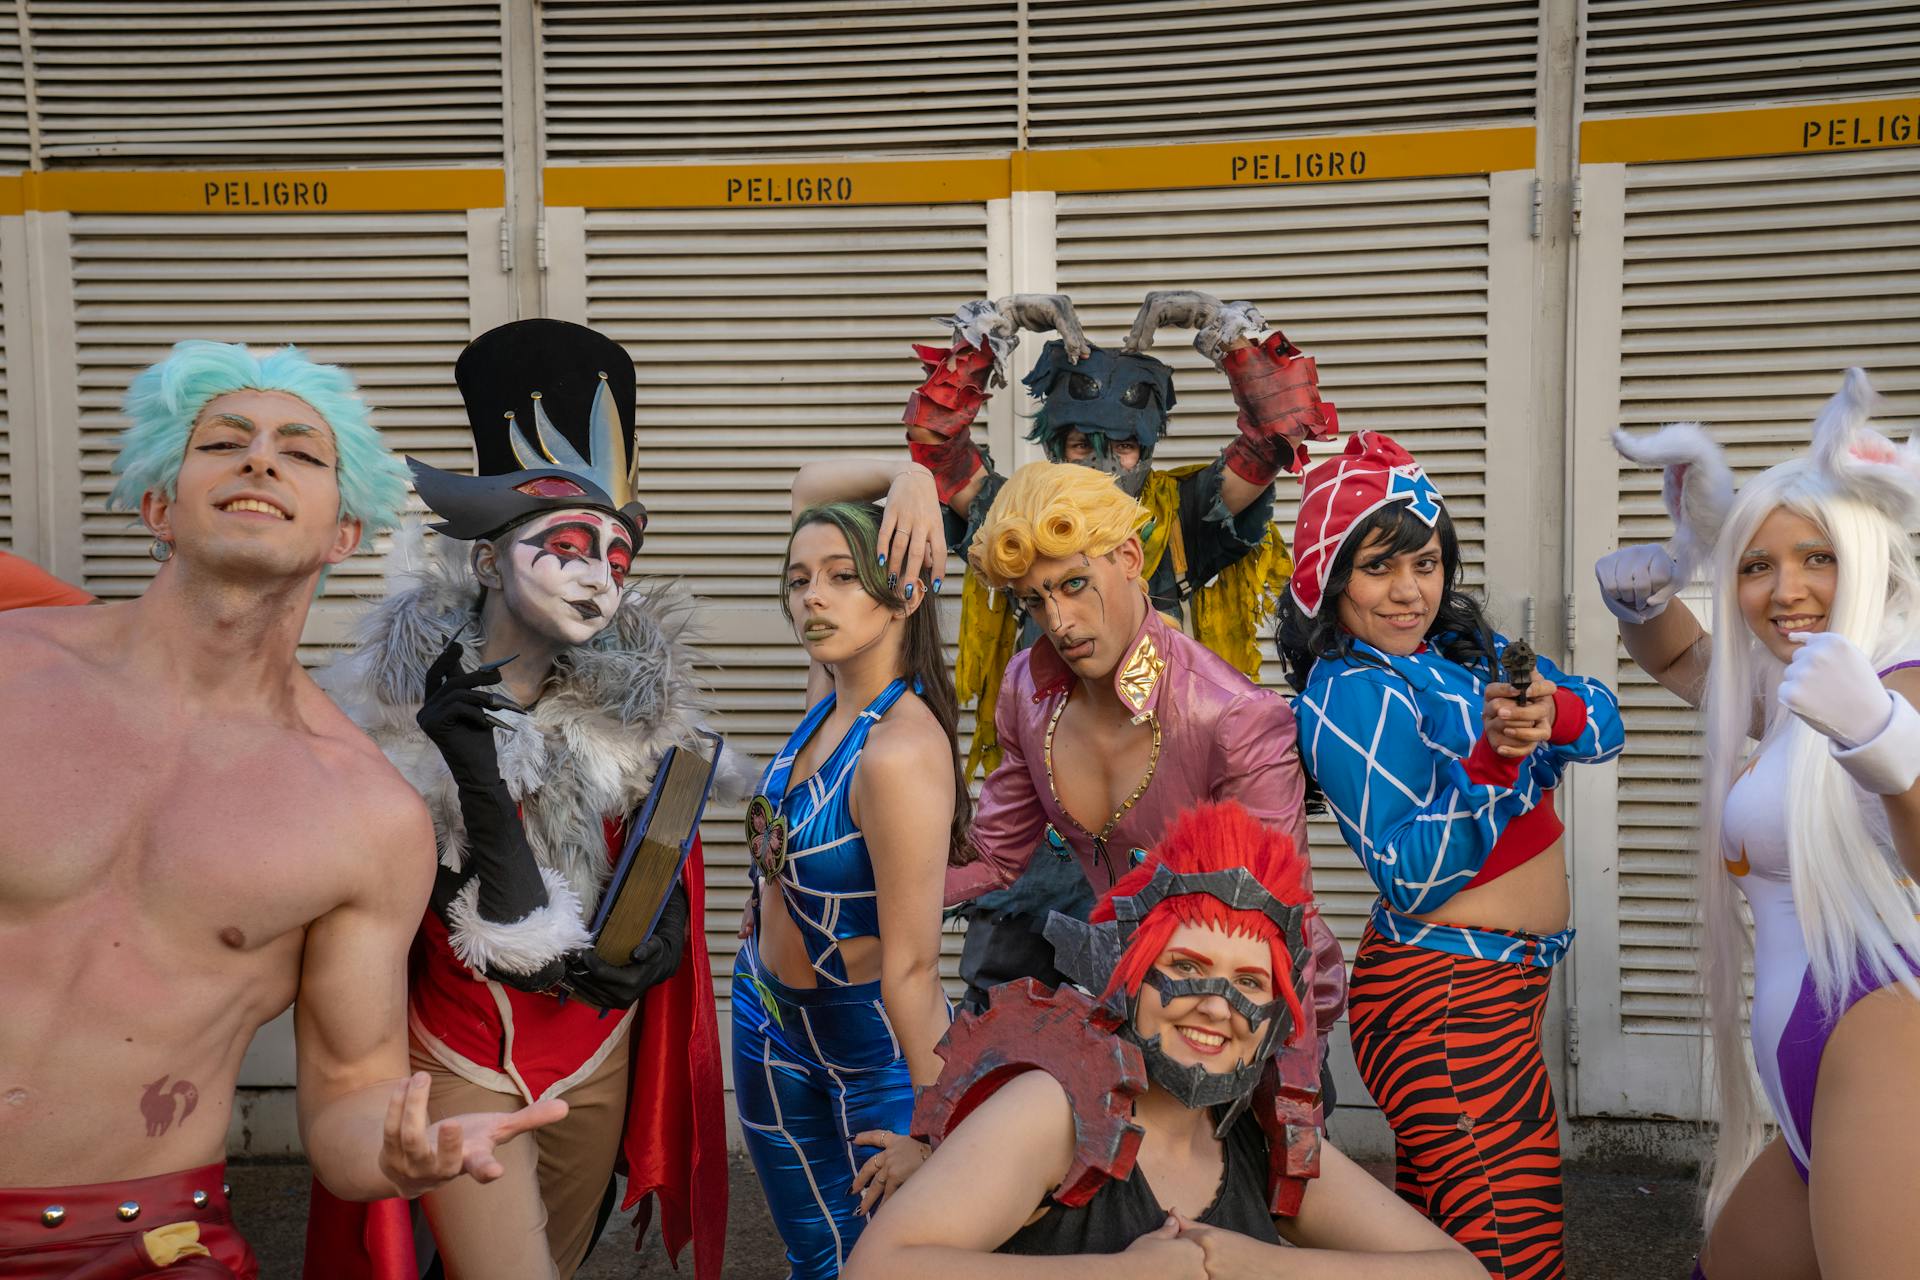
(1052,509)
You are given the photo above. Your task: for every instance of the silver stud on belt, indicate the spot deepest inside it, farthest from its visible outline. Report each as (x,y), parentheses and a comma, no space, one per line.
(128,1210)
(226,1189)
(200,1199)
(53,1215)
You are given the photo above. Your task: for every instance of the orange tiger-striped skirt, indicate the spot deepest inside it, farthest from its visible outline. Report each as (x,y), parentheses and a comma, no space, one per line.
(1449,1046)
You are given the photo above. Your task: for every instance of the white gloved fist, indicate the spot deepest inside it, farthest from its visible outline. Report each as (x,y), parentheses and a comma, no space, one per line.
(1637,582)
(1833,687)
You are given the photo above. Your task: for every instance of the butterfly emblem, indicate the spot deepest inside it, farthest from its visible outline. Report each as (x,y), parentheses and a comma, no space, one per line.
(766,836)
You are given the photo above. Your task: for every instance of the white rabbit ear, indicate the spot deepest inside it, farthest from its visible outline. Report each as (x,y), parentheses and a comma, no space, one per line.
(1696,487)
(1860,460)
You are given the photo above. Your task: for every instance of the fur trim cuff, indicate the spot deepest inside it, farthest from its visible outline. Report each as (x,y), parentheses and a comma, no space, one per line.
(1888,763)
(522,946)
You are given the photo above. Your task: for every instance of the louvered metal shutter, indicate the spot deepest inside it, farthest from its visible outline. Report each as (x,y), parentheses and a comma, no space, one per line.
(764,339)
(1744,288)
(13,93)
(1147,71)
(387,295)
(656,80)
(262,82)
(1683,55)
(1385,283)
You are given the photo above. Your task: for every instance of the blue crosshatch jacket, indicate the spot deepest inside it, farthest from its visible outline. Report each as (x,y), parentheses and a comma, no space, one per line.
(1387,739)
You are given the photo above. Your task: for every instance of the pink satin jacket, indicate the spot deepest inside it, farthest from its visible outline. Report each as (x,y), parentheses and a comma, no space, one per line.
(1222,737)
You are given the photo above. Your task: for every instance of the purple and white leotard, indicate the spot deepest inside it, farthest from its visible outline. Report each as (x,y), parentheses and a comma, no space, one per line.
(1789,1030)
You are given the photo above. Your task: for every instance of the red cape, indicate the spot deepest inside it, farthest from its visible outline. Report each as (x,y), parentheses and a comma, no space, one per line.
(675,1145)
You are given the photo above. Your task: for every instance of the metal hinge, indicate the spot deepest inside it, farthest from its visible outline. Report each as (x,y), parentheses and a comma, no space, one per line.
(1573,628)
(506,245)
(1576,206)
(1539,195)
(1573,1035)
(540,241)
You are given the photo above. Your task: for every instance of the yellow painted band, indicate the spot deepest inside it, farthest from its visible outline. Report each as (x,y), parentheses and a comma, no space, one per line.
(753,185)
(1278,162)
(13,196)
(1766,131)
(747,184)
(276,191)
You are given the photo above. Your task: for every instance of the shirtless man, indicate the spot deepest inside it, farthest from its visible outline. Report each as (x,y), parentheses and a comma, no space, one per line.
(193,834)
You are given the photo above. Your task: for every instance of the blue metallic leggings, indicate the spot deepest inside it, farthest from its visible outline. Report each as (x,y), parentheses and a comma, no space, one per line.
(811,1068)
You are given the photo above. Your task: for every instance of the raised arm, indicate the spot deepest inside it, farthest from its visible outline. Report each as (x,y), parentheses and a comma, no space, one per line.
(903,796)
(1661,635)
(913,529)
(1275,387)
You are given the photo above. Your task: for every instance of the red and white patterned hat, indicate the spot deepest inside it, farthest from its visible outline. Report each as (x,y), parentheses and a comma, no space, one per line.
(1343,491)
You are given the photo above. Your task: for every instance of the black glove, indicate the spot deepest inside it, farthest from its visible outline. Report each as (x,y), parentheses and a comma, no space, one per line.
(619,986)
(455,718)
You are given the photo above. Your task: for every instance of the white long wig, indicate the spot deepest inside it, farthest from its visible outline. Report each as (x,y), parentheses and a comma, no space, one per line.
(1864,494)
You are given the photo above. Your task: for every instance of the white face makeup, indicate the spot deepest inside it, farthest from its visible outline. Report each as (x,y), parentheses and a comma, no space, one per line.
(562,573)
(1205,1031)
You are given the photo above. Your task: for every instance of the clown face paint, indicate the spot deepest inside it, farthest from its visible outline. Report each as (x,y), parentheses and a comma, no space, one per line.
(1206,1031)
(562,573)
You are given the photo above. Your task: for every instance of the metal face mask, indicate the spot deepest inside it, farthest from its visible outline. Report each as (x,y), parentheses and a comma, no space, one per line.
(1089,953)
(1115,394)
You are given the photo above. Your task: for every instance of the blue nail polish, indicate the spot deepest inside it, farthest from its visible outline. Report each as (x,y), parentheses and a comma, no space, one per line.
(909,591)
(883,559)
(937,584)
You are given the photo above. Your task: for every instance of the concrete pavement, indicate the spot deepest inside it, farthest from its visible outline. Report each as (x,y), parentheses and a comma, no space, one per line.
(1626,1220)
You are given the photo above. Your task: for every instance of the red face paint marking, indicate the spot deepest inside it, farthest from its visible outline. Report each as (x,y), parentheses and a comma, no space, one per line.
(158,1107)
(619,559)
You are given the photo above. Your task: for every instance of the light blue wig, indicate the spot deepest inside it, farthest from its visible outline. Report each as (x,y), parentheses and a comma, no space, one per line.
(164,400)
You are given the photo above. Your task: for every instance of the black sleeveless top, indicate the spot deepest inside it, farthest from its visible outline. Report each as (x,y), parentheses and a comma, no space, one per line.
(1121,1212)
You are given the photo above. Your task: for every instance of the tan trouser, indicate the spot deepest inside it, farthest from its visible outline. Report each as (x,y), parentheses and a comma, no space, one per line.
(535,1221)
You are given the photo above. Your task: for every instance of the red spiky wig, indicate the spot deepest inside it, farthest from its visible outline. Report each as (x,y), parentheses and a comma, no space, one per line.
(1213,837)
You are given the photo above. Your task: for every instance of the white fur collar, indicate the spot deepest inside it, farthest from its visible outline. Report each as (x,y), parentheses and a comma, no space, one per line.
(588,748)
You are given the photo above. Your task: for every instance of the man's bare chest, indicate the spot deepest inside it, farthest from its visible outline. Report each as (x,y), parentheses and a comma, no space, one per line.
(1097,769)
(115,817)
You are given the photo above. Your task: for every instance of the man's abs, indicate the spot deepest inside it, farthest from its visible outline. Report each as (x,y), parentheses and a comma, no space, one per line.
(156,880)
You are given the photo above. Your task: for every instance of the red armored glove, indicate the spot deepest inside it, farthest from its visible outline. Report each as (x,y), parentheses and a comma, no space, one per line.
(1278,392)
(946,405)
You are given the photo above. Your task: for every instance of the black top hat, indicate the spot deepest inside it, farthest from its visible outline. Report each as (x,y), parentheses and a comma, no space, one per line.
(575,388)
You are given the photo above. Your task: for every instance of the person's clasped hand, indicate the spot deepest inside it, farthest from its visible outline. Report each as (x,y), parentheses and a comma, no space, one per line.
(888,1168)
(1514,729)
(1832,686)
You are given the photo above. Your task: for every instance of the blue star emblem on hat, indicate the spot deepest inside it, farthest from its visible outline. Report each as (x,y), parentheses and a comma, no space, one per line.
(1410,483)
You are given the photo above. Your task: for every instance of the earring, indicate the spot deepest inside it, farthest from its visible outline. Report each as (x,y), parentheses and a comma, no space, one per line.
(161,550)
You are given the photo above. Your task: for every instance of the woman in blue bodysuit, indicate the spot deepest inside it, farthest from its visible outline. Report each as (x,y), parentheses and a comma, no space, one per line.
(836,992)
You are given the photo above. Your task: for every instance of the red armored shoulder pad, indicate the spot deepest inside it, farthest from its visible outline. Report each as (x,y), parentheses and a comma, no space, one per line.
(1028,1027)
(1287,1104)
